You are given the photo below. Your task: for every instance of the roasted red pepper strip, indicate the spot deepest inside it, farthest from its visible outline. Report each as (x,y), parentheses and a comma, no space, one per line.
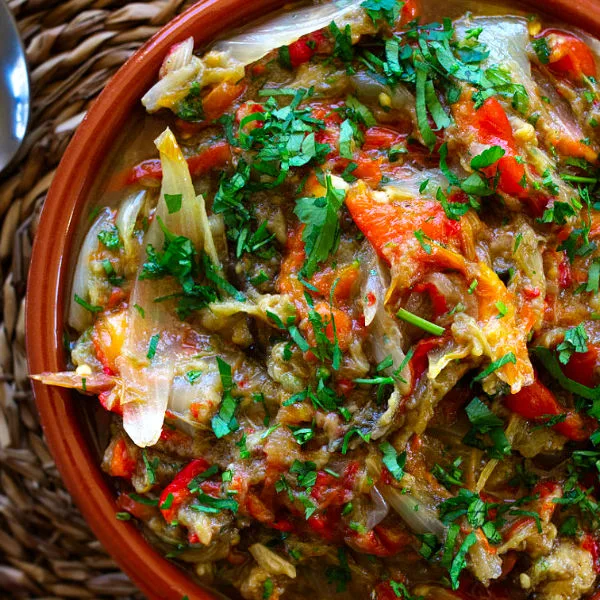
(217,155)
(569,55)
(536,402)
(178,488)
(419,361)
(137,509)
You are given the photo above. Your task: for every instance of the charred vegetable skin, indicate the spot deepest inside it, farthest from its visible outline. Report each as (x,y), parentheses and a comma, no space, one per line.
(347,319)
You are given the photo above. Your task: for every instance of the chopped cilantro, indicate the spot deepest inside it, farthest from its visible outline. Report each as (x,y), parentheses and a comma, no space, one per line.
(322,231)
(542,50)
(575,341)
(152,346)
(173,202)
(224,422)
(110,238)
(392,460)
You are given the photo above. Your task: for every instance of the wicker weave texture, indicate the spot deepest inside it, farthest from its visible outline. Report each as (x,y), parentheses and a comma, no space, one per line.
(73,48)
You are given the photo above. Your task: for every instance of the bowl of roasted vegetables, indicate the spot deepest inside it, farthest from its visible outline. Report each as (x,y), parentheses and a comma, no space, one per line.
(314,310)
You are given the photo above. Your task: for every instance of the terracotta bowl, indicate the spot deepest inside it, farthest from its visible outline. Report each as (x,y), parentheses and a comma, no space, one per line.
(60,412)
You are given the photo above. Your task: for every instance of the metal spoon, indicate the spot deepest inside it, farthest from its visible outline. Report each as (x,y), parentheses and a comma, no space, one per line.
(14,88)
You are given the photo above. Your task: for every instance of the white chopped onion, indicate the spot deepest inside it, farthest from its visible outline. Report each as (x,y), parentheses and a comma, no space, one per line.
(253,44)
(79,318)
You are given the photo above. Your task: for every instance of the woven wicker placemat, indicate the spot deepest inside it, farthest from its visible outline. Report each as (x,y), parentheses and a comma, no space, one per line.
(73,48)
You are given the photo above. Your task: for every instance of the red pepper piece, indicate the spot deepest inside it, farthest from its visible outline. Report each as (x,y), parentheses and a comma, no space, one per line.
(569,56)
(178,488)
(590,544)
(122,464)
(582,365)
(536,402)
(218,155)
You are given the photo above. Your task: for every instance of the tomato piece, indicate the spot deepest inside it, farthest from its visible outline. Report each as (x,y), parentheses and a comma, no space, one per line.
(220,98)
(137,509)
(121,463)
(489,124)
(548,491)
(377,138)
(344,279)
(384,591)
(247,109)
(569,56)
(331,316)
(326,524)
(258,509)
(511,175)
(536,402)
(178,488)
(371,542)
(581,366)
(216,156)
(410,11)
(533,402)
(303,49)
(108,337)
(393,539)
(368,169)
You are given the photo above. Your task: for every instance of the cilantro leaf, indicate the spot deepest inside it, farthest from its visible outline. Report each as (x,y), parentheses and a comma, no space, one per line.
(383,10)
(393,461)
(110,238)
(322,230)
(540,45)
(575,341)
(173,202)
(487,158)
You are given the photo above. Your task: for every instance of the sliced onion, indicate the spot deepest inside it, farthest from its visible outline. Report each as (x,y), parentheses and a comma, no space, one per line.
(144,400)
(80,318)
(253,44)
(386,337)
(419,517)
(94,383)
(191,219)
(379,512)
(407,183)
(507,39)
(127,218)
(179,56)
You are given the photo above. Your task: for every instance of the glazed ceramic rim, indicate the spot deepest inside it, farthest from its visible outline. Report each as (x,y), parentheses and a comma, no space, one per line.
(155,576)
